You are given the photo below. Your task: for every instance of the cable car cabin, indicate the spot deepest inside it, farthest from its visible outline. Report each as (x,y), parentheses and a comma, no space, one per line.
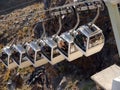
(50,52)
(20,56)
(67,48)
(34,54)
(89,40)
(6,58)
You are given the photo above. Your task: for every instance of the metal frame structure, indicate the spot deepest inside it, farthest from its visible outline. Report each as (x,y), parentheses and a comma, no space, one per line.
(69,51)
(80,6)
(22,60)
(72,52)
(37,59)
(114,13)
(65,9)
(6,55)
(88,33)
(34,49)
(55,56)
(49,51)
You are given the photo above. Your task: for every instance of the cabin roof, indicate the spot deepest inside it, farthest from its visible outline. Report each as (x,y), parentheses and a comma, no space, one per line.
(51,42)
(89,31)
(19,48)
(66,36)
(34,46)
(7,50)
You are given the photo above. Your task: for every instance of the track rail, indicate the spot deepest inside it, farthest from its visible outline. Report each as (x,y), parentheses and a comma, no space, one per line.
(66,9)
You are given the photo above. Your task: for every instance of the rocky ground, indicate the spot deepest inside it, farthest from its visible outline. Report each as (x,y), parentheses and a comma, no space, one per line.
(19,24)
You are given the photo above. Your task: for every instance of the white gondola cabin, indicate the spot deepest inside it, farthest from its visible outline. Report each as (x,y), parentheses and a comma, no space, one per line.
(50,52)
(6,58)
(20,56)
(67,48)
(34,54)
(89,40)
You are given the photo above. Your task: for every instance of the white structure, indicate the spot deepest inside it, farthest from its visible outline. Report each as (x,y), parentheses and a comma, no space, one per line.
(112,1)
(106,78)
(116,84)
(114,13)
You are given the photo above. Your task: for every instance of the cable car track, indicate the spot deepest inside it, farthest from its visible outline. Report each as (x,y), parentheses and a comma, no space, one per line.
(65,9)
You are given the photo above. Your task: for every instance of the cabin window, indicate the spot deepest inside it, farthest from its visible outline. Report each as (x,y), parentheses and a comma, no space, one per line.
(46,50)
(55,53)
(81,41)
(10,61)
(72,48)
(63,47)
(96,40)
(31,54)
(24,57)
(4,58)
(38,56)
(16,57)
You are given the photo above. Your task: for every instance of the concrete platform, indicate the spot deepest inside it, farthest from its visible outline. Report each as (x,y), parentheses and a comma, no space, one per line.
(105,78)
